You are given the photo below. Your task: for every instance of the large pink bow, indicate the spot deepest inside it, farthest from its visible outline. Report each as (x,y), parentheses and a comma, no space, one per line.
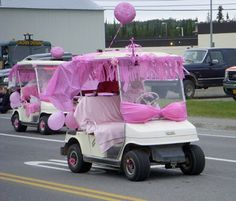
(139,113)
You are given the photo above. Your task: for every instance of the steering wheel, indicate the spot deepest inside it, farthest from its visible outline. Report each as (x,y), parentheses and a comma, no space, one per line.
(149,98)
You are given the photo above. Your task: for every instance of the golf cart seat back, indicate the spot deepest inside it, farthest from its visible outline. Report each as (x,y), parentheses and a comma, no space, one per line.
(101,115)
(28,91)
(108,86)
(98,109)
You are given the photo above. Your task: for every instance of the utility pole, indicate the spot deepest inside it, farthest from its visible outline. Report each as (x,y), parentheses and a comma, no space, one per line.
(182,30)
(164,23)
(211,26)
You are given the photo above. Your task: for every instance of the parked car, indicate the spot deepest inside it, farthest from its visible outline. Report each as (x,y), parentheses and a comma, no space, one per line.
(206,67)
(229,83)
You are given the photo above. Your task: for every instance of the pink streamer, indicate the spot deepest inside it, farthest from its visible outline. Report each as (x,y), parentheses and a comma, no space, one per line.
(139,113)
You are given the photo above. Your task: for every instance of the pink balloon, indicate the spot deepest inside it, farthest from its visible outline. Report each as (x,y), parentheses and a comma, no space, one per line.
(56,120)
(57,52)
(15,99)
(124,12)
(70,121)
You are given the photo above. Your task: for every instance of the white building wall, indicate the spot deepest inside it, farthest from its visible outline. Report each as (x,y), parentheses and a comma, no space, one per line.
(220,40)
(75,30)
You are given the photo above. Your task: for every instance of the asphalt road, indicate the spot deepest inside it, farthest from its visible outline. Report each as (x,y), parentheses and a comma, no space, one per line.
(31,169)
(212,93)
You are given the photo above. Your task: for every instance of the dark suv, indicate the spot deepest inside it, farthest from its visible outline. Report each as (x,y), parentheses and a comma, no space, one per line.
(206,67)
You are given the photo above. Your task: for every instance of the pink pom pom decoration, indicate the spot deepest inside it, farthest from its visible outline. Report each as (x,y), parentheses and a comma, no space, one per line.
(15,100)
(56,120)
(70,121)
(57,52)
(124,12)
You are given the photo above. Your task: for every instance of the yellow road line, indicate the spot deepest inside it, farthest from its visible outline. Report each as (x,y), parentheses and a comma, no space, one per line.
(67,188)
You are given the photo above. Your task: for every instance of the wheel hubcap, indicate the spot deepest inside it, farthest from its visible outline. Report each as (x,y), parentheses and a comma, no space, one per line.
(16,123)
(189,90)
(188,162)
(130,166)
(73,159)
(42,126)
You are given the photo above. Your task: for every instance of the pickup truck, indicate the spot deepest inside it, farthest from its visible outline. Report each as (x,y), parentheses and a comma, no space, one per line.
(229,83)
(206,67)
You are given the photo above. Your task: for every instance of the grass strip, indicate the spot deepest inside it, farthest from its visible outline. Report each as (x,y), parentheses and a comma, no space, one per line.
(216,109)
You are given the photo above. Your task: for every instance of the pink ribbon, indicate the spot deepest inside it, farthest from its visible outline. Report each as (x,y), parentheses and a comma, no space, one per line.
(139,113)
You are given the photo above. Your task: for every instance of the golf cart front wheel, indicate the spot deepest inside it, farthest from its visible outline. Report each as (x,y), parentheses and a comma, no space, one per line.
(16,123)
(195,160)
(136,165)
(75,160)
(43,125)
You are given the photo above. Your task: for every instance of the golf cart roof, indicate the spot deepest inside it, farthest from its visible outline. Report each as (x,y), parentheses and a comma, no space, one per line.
(119,54)
(48,57)
(35,63)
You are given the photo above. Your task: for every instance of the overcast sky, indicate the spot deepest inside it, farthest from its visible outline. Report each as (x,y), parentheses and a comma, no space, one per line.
(177,9)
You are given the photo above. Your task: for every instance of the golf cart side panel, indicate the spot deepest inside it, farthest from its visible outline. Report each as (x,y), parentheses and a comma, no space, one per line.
(47,107)
(23,117)
(87,143)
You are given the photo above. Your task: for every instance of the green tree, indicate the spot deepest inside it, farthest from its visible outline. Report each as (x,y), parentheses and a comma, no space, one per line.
(227,17)
(220,17)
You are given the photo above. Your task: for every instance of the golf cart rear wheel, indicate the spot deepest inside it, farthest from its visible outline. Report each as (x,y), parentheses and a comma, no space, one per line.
(43,125)
(195,160)
(136,165)
(16,123)
(75,160)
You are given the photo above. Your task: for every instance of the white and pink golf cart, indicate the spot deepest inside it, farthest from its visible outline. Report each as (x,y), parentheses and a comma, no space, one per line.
(30,78)
(135,118)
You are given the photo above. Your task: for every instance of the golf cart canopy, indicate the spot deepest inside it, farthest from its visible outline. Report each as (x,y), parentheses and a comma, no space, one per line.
(25,70)
(122,66)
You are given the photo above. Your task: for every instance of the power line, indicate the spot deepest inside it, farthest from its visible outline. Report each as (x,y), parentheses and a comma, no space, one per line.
(176,10)
(139,0)
(186,5)
(180,5)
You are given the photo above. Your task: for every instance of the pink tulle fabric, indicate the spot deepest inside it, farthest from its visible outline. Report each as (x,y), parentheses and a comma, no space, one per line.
(70,77)
(28,91)
(25,74)
(31,108)
(139,113)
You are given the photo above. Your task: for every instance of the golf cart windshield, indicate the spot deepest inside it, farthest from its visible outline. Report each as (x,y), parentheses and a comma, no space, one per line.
(158,93)
(44,74)
(148,89)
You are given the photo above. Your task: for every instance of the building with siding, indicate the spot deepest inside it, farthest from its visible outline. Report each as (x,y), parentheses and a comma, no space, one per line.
(75,25)
(224,34)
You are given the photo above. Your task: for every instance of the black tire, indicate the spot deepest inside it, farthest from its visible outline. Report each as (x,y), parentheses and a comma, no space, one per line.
(43,127)
(234,97)
(75,160)
(16,123)
(195,160)
(136,165)
(189,89)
